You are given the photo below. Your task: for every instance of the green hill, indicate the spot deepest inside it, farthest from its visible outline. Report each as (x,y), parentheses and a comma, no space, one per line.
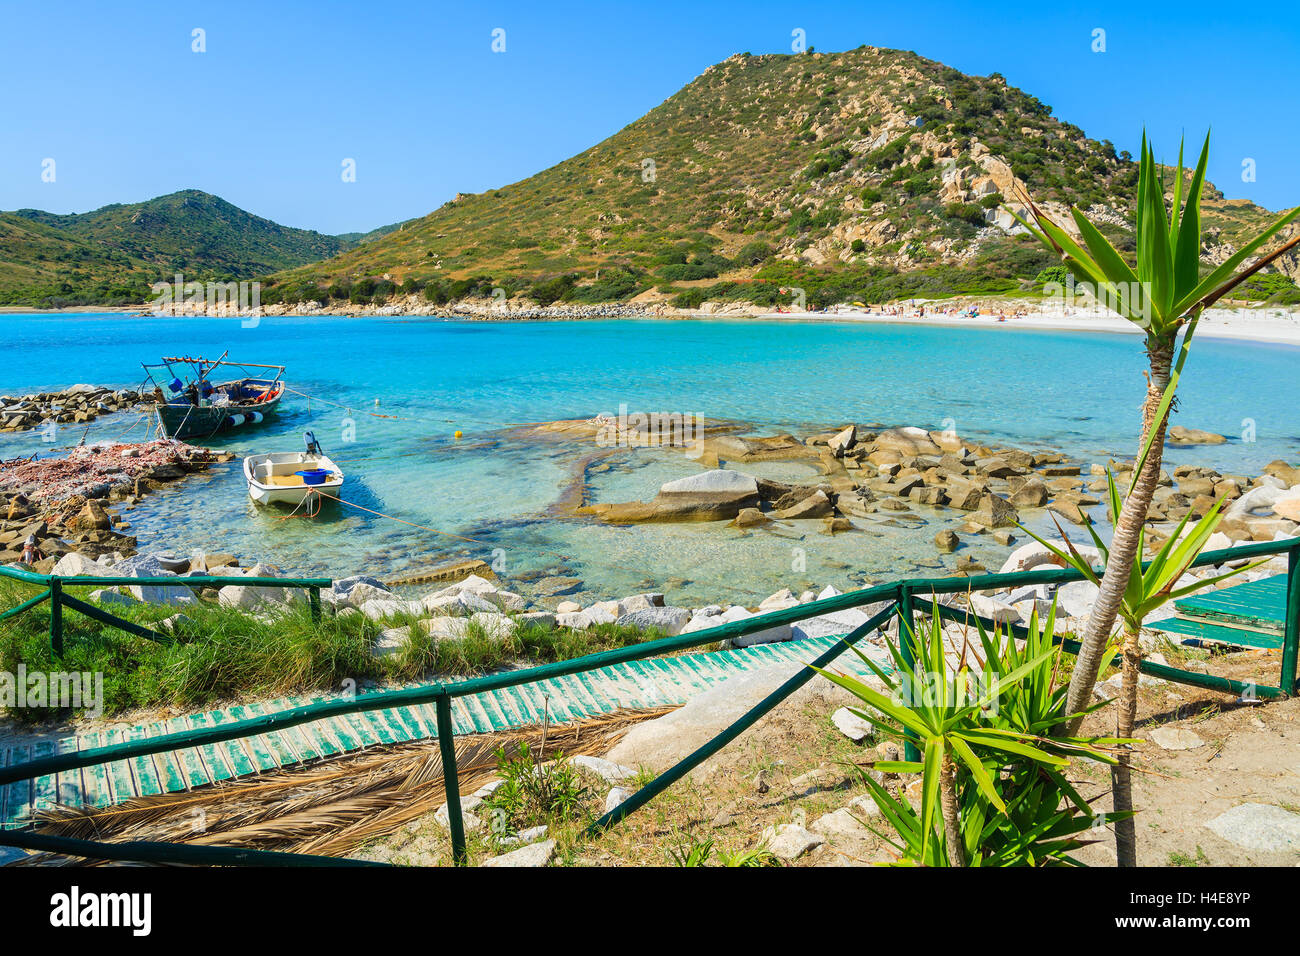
(113,254)
(868,174)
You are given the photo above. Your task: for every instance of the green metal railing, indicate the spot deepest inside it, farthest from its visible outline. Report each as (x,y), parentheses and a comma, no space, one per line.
(55,592)
(904,598)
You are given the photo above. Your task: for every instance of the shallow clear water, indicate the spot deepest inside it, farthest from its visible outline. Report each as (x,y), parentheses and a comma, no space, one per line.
(1075,391)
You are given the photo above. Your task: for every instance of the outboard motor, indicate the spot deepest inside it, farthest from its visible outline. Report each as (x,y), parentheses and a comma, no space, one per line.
(313,446)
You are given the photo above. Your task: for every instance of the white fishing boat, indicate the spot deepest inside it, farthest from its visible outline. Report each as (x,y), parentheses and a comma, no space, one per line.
(293,477)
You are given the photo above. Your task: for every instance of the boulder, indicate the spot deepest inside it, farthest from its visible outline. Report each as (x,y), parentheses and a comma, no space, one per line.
(607,770)
(720,481)
(859,502)
(1000,612)
(446,628)
(1256,499)
(1030,494)
(180,596)
(240,596)
(750,518)
(343,588)
(1288,505)
(639,602)
(452,601)
(770,635)
(375,610)
(1076,598)
(1033,555)
(907,441)
(816,505)
(390,641)
(994,511)
(93,517)
(1178,435)
(1259,826)
(543,619)
(493,625)
(670,620)
(779,601)
(73,565)
(843,441)
(709,496)
(833,624)
(946,541)
(111,596)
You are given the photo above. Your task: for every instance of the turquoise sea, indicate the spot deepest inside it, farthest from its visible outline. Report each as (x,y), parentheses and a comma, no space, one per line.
(1079,392)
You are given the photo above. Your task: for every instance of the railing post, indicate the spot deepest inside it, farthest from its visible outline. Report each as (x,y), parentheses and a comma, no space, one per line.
(1291,640)
(56,616)
(313,595)
(447,747)
(906,633)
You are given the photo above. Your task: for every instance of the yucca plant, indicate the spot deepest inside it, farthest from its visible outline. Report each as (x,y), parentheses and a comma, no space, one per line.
(1163,292)
(1148,588)
(993,788)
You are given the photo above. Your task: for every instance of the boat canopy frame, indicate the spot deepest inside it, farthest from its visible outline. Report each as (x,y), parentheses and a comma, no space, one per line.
(200,369)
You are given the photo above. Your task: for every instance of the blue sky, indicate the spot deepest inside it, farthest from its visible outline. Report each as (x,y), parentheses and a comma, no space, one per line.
(415,95)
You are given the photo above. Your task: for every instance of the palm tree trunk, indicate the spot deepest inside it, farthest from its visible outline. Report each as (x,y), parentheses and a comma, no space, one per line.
(951,818)
(1121,781)
(1124,543)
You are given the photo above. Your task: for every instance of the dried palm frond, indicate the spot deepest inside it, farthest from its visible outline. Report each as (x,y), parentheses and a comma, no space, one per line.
(332,807)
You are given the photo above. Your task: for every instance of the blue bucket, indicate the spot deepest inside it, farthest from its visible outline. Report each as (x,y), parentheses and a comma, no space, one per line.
(313,476)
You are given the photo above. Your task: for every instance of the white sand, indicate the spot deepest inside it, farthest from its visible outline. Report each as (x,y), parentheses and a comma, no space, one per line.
(1258,325)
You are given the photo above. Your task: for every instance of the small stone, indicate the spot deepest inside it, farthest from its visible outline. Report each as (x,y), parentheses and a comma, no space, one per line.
(615,796)
(1258,826)
(535,854)
(1176,738)
(852,726)
(946,541)
(791,841)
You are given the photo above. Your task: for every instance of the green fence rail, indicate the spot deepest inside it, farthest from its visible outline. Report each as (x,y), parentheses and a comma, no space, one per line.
(904,598)
(56,585)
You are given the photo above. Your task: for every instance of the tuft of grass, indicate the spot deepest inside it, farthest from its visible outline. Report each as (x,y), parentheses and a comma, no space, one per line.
(533,794)
(1183,859)
(225,653)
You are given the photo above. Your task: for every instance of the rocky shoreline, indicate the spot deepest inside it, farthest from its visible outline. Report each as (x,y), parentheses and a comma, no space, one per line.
(75,405)
(64,505)
(874,477)
(886,476)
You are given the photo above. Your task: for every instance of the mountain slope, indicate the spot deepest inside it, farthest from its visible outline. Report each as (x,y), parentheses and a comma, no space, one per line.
(116,252)
(819,170)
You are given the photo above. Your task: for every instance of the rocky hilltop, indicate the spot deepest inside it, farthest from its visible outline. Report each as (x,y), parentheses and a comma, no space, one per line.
(827,172)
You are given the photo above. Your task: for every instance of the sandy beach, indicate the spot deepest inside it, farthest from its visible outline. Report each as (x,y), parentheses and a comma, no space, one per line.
(1278,326)
(1262,324)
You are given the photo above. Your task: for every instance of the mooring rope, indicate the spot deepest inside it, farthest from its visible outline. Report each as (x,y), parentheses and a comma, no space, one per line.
(422,527)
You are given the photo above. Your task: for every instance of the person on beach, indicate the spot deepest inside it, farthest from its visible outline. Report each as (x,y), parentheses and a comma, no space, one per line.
(31,551)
